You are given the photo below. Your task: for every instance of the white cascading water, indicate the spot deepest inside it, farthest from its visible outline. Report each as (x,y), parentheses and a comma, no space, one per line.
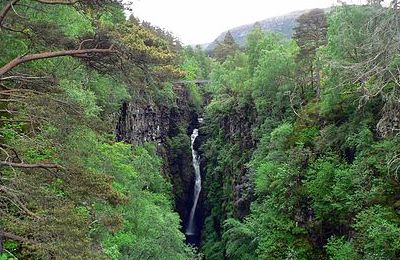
(190,230)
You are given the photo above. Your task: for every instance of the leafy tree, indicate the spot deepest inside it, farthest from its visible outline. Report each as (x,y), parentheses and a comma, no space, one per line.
(256,43)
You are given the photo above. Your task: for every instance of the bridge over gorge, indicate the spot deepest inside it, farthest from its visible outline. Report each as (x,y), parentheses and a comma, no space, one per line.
(197,82)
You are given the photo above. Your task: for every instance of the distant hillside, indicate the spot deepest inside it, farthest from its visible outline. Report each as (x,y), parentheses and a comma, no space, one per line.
(280,24)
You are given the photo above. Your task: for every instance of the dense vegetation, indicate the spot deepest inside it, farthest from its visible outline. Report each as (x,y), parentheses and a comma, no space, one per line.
(301,136)
(67,189)
(302,142)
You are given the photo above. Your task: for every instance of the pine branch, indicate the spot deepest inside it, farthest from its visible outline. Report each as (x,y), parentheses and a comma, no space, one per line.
(51,54)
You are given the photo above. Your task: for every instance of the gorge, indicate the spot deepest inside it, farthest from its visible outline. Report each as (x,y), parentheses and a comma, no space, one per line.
(118,142)
(140,123)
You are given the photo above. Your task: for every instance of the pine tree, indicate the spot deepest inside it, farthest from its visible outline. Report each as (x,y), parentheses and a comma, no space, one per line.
(226,48)
(310,34)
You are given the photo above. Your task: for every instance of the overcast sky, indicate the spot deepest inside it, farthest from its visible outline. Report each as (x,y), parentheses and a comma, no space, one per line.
(201,21)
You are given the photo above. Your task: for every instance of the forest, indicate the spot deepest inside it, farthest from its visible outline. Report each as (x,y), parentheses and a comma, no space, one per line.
(298,140)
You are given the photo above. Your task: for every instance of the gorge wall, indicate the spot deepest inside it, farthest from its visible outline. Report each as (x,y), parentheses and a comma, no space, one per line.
(170,127)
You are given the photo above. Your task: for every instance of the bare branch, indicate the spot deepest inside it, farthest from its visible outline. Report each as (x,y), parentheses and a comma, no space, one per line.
(10,100)
(16,13)
(32,166)
(15,120)
(5,151)
(8,111)
(24,78)
(6,9)
(18,202)
(12,149)
(15,237)
(14,30)
(83,42)
(10,5)
(58,2)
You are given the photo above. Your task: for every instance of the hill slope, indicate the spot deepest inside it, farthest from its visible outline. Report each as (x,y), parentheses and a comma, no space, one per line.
(279,24)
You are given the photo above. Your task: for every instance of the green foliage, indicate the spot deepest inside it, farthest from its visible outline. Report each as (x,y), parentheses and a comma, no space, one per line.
(196,66)
(273,80)
(166,95)
(340,249)
(320,163)
(240,240)
(378,233)
(179,144)
(67,188)
(278,236)
(72,23)
(6,256)
(292,172)
(85,98)
(280,135)
(329,183)
(196,97)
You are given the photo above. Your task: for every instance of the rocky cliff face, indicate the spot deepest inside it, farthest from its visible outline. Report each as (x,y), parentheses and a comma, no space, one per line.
(238,128)
(233,176)
(141,122)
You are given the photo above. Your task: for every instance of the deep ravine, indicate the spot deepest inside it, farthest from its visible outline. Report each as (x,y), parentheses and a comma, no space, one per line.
(192,230)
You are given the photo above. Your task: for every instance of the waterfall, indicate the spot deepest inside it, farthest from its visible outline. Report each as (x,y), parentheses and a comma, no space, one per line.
(190,230)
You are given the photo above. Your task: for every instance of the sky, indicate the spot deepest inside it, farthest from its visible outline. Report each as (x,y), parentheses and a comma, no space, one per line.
(201,21)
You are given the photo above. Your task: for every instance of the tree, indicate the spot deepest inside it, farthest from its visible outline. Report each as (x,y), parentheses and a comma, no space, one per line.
(226,48)
(66,188)
(80,51)
(255,44)
(310,34)
(10,5)
(368,57)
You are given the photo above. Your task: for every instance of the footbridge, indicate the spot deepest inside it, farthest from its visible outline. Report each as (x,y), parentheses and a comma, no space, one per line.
(197,82)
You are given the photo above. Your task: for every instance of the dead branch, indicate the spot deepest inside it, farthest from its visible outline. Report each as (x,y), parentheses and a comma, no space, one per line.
(8,91)
(24,78)
(32,166)
(10,100)
(16,13)
(13,150)
(11,112)
(15,237)
(14,30)
(6,9)
(83,42)
(18,202)
(11,95)
(7,154)
(58,2)
(15,120)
